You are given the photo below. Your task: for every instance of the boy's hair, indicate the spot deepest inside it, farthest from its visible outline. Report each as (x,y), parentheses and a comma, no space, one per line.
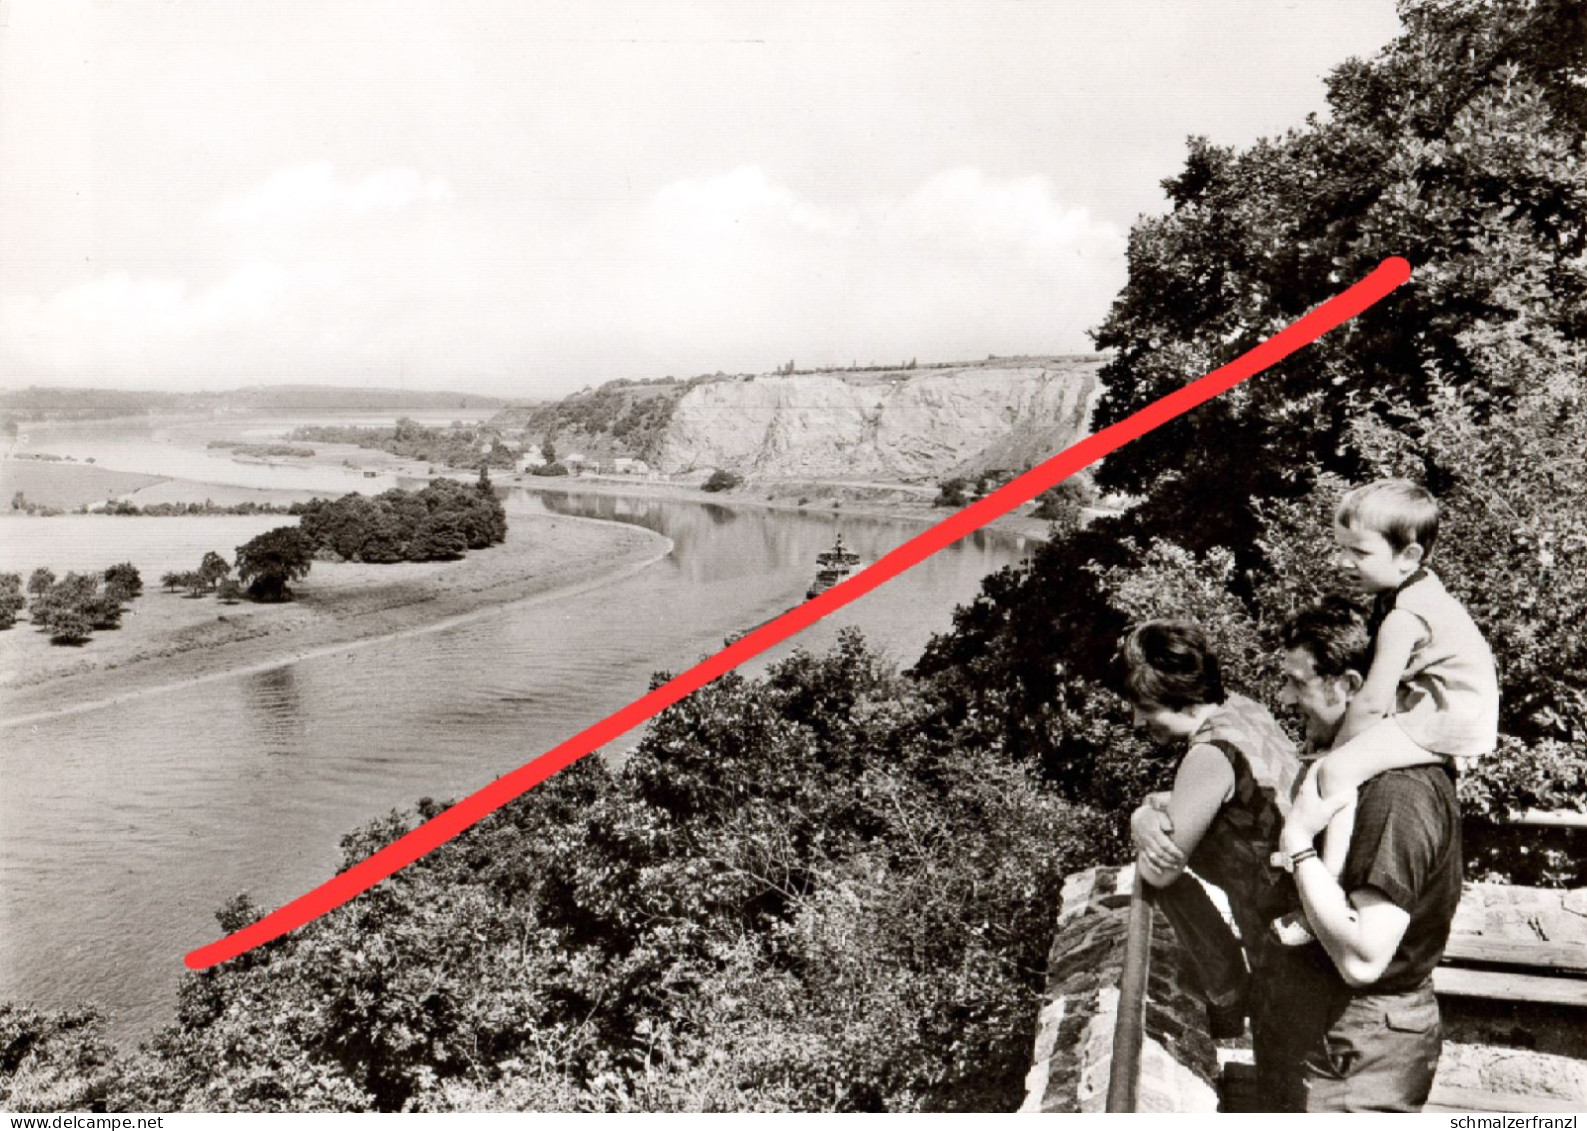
(1334,633)
(1401,511)
(1167,664)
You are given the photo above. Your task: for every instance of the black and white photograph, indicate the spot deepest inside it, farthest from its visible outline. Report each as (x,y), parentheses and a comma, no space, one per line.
(804,556)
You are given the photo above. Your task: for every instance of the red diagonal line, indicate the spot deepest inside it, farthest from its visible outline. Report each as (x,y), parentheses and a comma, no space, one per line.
(446,825)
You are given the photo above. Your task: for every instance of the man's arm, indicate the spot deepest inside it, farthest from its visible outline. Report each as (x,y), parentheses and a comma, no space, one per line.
(1361,929)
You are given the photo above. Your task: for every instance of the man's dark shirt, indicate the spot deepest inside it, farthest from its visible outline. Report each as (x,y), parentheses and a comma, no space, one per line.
(1407,846)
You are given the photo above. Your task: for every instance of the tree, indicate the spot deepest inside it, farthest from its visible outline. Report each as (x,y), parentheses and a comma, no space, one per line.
(123,582)
(230,592)
(41,580)
(171,581)
(1460,146)
(548,451)
(951,493)
(267,564)
(212,568)
(67,623)
(11,599)
(721,480)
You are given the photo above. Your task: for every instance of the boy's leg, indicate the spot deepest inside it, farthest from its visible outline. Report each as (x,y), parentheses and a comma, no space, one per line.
(1210,949)
(1379,748)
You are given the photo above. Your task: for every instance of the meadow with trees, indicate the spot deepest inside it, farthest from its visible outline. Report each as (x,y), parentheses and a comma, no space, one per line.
(832,887)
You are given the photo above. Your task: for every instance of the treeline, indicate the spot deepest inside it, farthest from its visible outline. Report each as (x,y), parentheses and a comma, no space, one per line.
(70,608)
(262,450)
(122,508)
(444,520)
(456,445)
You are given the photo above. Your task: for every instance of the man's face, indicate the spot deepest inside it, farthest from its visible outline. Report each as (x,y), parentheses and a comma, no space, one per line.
(1322,701)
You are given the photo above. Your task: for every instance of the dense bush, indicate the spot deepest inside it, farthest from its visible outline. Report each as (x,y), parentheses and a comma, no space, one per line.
(12,599)
(71,608)
(721,480)
(444,520)
(1459,147)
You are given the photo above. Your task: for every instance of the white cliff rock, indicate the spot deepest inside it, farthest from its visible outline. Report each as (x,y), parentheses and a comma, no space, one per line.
(915,425)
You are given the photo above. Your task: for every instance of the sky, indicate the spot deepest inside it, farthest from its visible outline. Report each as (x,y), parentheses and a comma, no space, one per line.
(523,198)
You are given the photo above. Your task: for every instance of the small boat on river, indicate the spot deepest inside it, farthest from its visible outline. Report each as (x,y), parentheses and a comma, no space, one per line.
(832,567)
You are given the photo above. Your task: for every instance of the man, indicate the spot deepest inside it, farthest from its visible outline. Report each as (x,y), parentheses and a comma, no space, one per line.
(1366,1018)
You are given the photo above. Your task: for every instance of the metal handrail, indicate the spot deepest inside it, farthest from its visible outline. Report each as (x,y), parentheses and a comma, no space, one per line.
(1129,1030)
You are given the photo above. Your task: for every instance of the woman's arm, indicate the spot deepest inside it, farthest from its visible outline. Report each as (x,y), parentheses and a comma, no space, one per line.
(1204,782)
(1397,638)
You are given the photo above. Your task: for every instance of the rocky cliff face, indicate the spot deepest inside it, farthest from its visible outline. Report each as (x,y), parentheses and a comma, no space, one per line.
(909,425)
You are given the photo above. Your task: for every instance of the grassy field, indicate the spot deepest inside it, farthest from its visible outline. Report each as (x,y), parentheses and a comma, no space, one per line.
(66,485)
(154,545)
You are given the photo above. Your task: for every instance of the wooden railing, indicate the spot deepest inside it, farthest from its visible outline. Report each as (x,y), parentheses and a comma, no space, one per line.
(1129,1030)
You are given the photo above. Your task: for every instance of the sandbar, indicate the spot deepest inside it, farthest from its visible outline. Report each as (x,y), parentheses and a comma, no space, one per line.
(170,640)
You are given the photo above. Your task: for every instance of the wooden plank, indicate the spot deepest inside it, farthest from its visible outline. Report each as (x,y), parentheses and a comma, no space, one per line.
(1505,985)
(1450,1099)
(1533,953)
(1549,818)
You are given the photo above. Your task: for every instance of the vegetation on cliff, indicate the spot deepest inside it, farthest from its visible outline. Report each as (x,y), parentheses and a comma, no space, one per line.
(456,445)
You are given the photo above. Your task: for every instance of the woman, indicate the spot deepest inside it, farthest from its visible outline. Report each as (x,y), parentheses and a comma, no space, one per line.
(1222,820)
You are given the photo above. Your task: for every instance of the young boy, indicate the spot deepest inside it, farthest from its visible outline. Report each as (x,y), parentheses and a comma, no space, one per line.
(1432,694)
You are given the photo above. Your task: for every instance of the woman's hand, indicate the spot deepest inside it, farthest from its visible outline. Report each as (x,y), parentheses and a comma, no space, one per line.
(1310,812)
(1152,831)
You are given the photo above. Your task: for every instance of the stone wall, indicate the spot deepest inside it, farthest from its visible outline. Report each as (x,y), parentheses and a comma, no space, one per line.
(1074,1040)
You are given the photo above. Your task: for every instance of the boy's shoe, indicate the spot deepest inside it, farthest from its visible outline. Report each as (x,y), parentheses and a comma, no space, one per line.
(1293,929)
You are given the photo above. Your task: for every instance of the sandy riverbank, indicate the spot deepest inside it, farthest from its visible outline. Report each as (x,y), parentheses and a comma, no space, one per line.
(169,639)
(887,501)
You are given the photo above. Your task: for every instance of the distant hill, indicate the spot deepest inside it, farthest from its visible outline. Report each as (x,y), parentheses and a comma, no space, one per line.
(46,403)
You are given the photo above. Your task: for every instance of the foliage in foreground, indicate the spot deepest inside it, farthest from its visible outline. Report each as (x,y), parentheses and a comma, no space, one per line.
(1459,147)
(793,895)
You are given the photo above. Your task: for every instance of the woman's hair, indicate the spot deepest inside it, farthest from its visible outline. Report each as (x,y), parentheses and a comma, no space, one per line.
(1167,664)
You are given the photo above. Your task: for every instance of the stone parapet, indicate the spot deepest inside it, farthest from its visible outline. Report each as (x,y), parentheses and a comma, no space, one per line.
(1517,1050)
(1074,1040)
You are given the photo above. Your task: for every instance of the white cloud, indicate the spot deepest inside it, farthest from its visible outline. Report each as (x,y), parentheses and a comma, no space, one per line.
(124,323)
(966,209)
(742,271)
(739,207)
(313,192)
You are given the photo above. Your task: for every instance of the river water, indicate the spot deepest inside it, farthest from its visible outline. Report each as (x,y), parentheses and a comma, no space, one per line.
(123,829)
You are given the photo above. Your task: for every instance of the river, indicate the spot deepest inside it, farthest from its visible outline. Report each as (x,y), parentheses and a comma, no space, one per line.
(123,829)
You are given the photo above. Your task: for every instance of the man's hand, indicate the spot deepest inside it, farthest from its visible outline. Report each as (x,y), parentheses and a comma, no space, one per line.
(1309,812)
(1152,832)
